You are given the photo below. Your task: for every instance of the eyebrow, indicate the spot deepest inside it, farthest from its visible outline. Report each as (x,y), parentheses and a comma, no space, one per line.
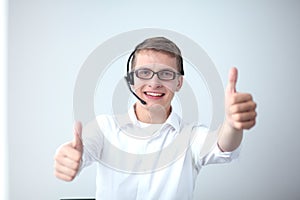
(164,69)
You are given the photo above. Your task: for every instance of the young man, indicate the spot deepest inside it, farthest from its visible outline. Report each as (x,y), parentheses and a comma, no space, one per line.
(156,73)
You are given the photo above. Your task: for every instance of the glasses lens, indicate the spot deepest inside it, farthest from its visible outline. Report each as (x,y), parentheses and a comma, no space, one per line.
(166,75)
(144,73)
(148,74)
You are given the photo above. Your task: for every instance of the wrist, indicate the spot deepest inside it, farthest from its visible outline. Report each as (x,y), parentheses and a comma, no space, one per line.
(229,126)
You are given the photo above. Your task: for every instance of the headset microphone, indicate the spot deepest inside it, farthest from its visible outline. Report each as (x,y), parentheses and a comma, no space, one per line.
(128,84)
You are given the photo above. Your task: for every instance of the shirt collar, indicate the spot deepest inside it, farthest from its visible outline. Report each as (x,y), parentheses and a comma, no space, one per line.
(173,120)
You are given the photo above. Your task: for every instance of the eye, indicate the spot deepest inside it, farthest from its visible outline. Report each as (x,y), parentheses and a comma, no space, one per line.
(166,74)
(144,73)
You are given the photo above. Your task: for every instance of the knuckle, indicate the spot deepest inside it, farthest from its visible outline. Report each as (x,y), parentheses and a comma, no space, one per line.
(254,114)
(69,178)
(231,110)
(238,126)
(72,173)
(250,124)
(75,166)
(238,117)
(254,105)
(77,156)
(234,109)
(250,97)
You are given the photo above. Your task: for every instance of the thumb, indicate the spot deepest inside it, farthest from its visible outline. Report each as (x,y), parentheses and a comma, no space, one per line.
(77,142)
(232,79)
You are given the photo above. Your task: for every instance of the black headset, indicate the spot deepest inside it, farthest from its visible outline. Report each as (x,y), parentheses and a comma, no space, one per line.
(130,76)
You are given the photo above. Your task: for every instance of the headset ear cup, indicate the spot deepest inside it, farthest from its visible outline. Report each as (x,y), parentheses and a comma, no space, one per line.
(130,78)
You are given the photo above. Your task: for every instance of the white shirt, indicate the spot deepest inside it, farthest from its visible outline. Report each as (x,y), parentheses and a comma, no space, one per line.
(136,161)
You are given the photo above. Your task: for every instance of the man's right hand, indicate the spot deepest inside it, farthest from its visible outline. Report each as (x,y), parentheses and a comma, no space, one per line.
(67,158)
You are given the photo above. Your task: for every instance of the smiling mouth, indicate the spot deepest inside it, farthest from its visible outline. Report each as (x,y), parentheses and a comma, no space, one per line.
(154,94)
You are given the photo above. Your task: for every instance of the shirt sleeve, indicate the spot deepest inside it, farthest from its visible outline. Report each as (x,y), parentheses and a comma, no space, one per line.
(92,139)
(206,151)
(218,156)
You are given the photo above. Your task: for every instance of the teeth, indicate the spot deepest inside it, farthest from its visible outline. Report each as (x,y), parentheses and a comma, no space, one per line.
(154,94)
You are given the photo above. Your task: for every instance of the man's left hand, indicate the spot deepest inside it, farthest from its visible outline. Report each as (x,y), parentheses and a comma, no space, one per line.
(239,107)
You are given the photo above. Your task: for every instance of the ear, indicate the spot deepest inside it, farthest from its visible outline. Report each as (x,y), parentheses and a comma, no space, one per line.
(179,83)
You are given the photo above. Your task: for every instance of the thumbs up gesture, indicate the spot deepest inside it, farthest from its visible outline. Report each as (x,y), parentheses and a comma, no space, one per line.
(68,156)
(239,107)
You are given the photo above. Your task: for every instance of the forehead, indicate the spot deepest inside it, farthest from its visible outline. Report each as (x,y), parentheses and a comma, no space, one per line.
(155,58)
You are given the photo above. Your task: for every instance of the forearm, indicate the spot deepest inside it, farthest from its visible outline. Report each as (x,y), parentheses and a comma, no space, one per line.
(229,138)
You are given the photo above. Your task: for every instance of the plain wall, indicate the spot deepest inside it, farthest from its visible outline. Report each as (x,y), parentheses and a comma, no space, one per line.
(48,41)
(3,99)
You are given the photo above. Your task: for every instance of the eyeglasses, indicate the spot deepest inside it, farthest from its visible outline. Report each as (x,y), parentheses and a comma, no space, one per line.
(148,74)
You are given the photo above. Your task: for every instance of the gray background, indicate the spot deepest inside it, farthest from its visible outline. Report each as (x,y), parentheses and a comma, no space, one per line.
(48,41)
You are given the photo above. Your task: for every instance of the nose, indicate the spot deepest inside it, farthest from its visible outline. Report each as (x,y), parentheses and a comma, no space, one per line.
(154,82)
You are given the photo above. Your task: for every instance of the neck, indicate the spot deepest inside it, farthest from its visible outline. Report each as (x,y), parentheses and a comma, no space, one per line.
(154,114)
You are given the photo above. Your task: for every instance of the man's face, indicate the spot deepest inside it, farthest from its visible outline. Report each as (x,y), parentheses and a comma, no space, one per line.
(156,91)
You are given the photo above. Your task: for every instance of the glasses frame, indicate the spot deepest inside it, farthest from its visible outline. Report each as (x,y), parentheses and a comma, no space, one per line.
(157,73)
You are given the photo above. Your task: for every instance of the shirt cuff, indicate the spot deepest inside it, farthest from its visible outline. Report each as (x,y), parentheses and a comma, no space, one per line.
(216,155)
